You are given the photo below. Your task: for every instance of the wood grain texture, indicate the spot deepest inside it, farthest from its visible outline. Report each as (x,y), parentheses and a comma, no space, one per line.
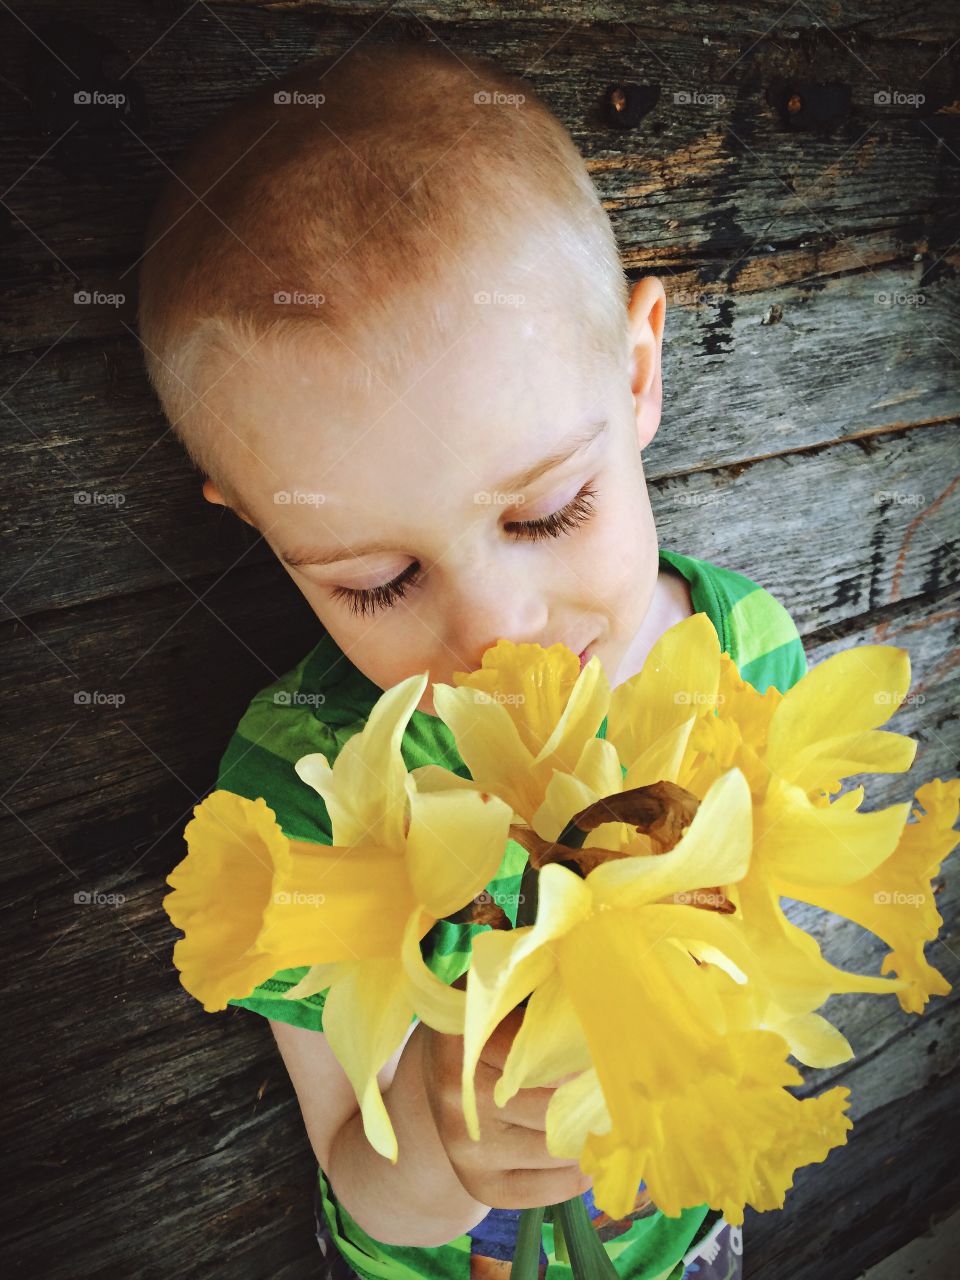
(809,440)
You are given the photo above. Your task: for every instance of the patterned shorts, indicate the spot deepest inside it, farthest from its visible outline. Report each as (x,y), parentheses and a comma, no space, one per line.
(718,1256)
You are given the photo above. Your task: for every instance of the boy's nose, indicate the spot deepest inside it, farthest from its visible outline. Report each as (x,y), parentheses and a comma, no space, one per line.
(497,609)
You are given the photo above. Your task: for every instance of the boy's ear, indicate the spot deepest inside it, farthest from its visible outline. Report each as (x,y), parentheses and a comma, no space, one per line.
(213,494)
(646,313)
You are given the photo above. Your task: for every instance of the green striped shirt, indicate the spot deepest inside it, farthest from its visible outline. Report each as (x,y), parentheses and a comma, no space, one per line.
(318,706)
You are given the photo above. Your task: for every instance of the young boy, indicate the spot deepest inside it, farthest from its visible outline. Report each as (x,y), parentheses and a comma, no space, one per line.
(383,308)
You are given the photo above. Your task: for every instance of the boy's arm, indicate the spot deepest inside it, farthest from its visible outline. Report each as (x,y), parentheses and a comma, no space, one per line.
(418,1201)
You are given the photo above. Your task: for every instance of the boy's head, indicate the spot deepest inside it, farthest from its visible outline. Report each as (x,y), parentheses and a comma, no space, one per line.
(380,291)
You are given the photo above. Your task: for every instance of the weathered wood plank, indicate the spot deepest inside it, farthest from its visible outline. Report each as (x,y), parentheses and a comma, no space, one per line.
(835,533)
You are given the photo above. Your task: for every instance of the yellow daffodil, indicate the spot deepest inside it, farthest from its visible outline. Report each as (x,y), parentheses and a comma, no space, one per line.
(252,902)
(896,900)
(793,749)
(612,982)
(527,711)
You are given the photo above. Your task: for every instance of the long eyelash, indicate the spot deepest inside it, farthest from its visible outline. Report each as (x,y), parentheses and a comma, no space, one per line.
(368,601)
(556,524)
(565,520)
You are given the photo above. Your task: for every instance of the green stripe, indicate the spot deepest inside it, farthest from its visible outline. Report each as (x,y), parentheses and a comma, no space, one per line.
(760,624)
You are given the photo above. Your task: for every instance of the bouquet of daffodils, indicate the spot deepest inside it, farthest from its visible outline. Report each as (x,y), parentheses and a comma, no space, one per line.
(657,858)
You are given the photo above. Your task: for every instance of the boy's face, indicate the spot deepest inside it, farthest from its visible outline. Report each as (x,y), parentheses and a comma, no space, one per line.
(428,469)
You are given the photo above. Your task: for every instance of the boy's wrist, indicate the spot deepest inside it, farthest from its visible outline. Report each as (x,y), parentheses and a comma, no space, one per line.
(409,1105)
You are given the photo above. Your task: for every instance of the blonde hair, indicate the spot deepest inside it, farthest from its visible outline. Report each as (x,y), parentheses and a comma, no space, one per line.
(415,162)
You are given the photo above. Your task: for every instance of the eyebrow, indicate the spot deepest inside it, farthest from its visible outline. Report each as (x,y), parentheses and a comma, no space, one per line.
(574,445)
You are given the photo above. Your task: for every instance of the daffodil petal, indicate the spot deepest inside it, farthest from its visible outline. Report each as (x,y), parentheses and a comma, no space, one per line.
(317,978)
(714,850)
(661,759)
(580,718)
(576,1109)
(870,751)
(794,973)
(365,1018)
(489,744)
(440,1006)
(681,675)
(814,1041)
(502,972)
(846,694)
(365,792)
(821,845)
(507,965)
(549,1044)
(599,767)
(434,777)
(565,796)
(454,846)
(896,900)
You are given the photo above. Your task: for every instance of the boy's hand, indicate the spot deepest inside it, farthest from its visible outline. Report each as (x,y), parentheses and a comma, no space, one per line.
(510,1167)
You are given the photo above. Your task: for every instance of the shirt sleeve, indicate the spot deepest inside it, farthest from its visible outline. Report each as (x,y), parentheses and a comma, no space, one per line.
(766,637)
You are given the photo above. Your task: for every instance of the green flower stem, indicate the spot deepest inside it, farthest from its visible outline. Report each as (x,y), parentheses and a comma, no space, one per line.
(526,1255)
(559,1241)
(588,1258)
(574,1239)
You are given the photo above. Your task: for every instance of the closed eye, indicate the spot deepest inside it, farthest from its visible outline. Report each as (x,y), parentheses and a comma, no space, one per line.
(569,518)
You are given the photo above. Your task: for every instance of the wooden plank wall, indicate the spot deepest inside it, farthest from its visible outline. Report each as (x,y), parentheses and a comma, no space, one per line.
(809,440)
